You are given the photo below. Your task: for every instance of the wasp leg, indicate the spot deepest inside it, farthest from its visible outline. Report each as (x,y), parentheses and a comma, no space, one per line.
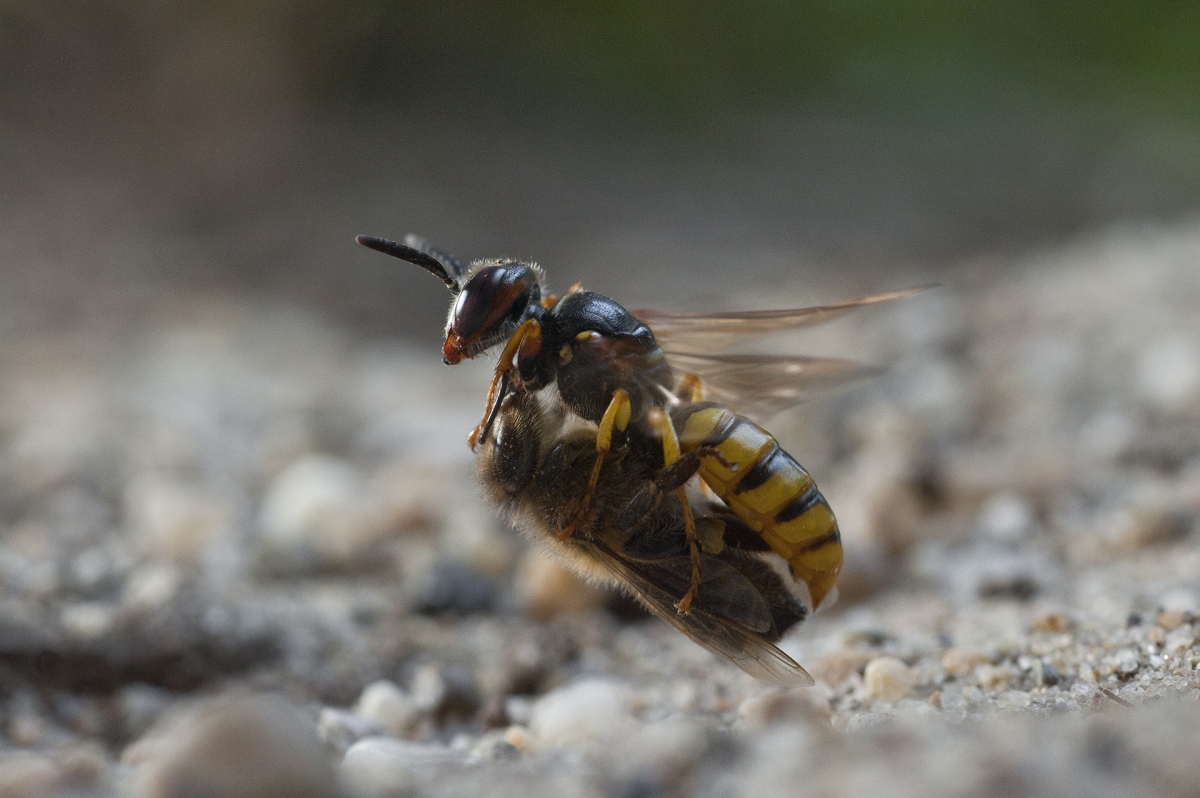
(525,342)
(690,389)
(671,456)
(616,416)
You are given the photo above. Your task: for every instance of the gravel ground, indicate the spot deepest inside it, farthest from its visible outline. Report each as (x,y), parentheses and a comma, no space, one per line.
(241,554)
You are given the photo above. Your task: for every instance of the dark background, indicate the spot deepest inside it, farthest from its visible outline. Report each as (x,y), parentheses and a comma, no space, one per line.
(662,152)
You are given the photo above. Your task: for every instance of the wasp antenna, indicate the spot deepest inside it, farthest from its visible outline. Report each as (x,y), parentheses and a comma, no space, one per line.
(448,261)
(417,257)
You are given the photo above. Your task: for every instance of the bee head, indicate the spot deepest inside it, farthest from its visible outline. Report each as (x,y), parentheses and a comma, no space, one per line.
(490,307)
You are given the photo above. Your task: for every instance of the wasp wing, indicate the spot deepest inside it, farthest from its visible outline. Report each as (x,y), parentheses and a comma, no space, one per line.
(723,636)
(706,332)
(762,385)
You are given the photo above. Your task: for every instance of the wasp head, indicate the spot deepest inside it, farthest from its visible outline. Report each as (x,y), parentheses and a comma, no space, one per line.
(490,302)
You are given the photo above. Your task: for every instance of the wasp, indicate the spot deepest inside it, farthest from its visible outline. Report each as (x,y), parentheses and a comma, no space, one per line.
(590,441)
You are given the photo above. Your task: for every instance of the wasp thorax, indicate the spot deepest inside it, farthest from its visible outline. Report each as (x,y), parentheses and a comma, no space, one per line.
(488,308)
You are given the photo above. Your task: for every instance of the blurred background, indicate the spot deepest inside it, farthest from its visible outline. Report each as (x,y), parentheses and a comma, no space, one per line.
(230,456)
(240,146)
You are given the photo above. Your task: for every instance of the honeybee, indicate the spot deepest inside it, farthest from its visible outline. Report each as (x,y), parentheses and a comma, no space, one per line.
(590,443)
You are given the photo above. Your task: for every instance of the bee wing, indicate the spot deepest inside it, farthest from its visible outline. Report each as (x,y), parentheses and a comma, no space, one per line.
(766,384)
(724,636)
(704,332)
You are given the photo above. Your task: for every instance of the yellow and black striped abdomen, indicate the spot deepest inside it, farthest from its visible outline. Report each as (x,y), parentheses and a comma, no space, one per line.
(767,489)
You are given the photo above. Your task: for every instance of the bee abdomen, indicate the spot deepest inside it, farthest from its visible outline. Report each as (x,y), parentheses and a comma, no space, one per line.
(768,490)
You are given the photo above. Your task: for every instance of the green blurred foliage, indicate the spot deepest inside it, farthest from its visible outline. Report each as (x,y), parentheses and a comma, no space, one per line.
(662,59)
(692,59)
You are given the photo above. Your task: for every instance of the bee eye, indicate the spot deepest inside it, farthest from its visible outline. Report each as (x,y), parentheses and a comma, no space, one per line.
(492,295)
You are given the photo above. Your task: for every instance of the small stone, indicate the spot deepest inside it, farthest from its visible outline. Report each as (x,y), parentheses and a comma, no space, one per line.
(381,768)
(151,586)
(1006,517)
(26,775)
(546,587)
(585,712)
(339,729)
(960,661)
(235,746)
(519,738)
(888,679)
(993,677)
(1171,620)
(386,704)
(1051,623)
(773,705)
(315,514)
(174,521)
(1169,373)
(837,666)
(88,620)
(428,689)
(1179,640)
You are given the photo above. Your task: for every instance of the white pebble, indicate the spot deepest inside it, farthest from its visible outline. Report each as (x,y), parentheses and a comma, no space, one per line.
(390,706)
(428,688)
(87,620)
(888,679)
(377,767)
(1169,373)
(1006,517)
(586,712)
(317,506)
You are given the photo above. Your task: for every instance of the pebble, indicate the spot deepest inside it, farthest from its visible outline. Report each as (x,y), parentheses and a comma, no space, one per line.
(245,745)
(585,713)
(1006,517)
(388,705)
(175,522)
(960,662)
(339,728)
(1169,372)
(546,587)
(316,514)
(381,767)
(888,679)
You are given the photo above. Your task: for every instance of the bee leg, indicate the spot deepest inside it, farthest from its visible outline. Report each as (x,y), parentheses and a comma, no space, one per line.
(526,341)
(616,416)
(671,478)
(690,389)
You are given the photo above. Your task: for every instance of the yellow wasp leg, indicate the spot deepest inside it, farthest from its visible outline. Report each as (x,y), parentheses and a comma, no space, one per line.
(670,442)
(690,388)
(531,330)
(616,416)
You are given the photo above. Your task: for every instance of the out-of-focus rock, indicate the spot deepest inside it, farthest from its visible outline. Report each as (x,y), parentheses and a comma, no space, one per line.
(888,679)
(232,747)
(961,661)
(380,767)
(546,587)
(340,728)
(317,513)
(173,521)
(586,713)
(388,705)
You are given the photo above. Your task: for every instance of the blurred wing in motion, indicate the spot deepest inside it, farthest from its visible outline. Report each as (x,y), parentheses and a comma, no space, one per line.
(708,332)
(728,638)
(762,385)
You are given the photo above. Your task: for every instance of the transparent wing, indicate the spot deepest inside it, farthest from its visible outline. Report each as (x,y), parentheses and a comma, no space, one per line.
(762,385)
(708,332)
(747,649)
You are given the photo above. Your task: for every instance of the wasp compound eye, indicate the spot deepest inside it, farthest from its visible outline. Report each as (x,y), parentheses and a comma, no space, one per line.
(494,294)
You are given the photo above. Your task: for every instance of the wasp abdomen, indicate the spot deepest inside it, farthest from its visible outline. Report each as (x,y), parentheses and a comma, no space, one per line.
(768,490)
